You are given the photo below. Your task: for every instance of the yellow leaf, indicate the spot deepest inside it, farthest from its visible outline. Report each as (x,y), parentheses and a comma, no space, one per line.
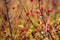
(20,26)
(58,19)
(30,30)
(16,35)
(27,32)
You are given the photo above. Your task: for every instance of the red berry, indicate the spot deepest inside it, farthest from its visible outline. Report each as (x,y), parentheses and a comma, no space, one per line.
(38,21)
(35,31)
(48,24)
(41,14)
(49,10)
(42,8)
(13,7)
(33,14)
(39,0)
(23,30)
(43,26)
(31,0)
(27,19)
(27,13)
(37,11)
(4,32)
(47,30)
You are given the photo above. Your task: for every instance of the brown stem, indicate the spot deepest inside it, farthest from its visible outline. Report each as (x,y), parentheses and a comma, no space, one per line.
(9,20)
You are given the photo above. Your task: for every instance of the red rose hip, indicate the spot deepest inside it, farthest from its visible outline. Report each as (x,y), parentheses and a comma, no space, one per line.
(4,32)
(13,7)
(38,21)
(37,11)
(41,14)
(27,19)
(39,0)
(42,8)
(43,26)
(49,10)
(33,14)
(27,13)
(23,30)
(31,0)
(35,31)
(47,30)
(48,24)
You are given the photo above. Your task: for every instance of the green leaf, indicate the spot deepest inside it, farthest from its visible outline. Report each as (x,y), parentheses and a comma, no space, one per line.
(32,27)
(52,21)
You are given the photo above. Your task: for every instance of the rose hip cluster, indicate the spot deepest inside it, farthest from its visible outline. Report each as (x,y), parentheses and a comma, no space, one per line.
(38,12)
(39,21)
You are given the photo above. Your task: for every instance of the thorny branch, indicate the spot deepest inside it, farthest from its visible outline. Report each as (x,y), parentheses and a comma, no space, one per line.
(9,20)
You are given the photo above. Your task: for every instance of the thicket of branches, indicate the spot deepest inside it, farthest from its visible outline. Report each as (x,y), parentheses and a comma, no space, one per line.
(29,19)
